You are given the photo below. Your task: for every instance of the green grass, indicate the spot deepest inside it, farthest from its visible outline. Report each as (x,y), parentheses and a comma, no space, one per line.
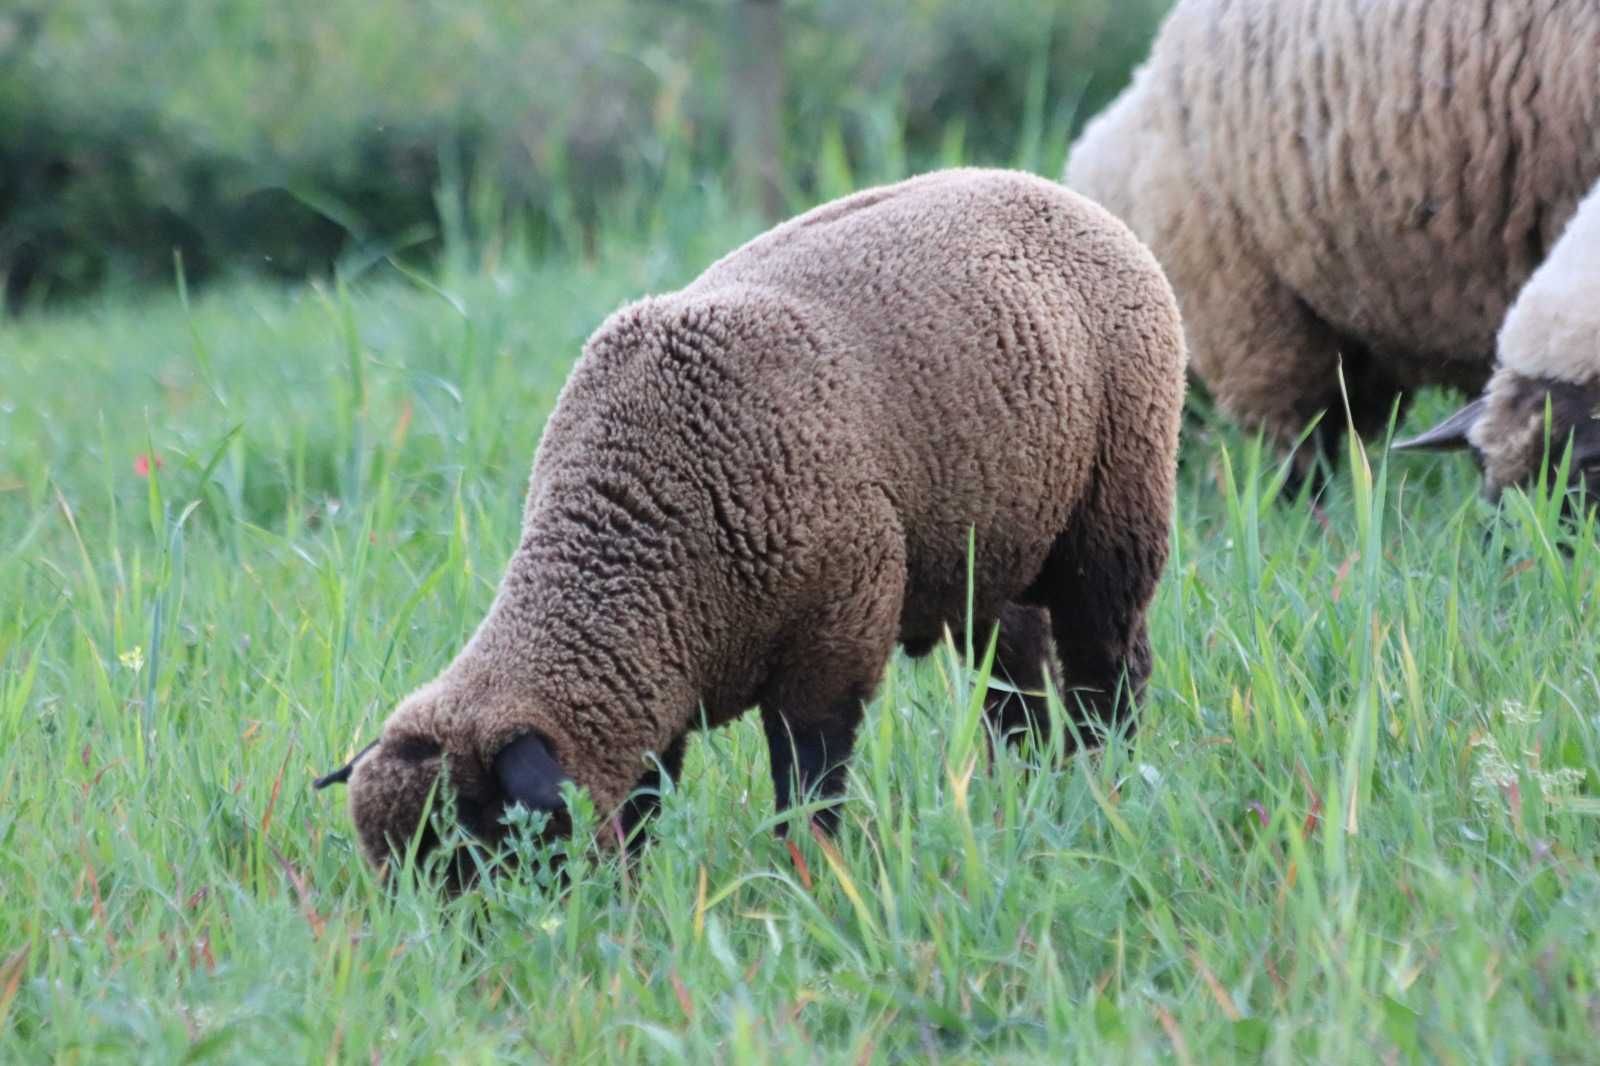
(1359,820)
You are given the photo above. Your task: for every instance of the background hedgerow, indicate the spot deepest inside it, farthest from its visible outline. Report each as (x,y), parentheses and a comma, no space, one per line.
(290,137)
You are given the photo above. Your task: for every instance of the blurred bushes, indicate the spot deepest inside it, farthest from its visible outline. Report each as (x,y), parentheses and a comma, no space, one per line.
(297,136)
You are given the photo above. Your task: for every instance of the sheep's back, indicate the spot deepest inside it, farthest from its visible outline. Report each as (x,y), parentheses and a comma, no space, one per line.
(963,331)
(1402,165)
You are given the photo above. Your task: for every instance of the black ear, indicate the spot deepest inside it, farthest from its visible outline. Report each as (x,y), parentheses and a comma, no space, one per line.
(342,774)
(529,775)
(1449,435)
(1586,441)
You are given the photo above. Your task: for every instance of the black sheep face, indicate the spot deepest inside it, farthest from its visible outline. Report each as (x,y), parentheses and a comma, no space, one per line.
(1505,429)
(396,779)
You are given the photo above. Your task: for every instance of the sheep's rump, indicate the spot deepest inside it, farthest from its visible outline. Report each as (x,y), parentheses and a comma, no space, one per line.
(1401,165)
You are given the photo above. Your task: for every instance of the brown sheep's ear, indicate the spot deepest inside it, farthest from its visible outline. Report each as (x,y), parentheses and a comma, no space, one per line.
(342,774)
(1449,435)
(529,775)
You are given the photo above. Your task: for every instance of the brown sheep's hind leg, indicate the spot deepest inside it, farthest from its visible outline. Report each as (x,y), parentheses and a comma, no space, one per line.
(1097,584)
(1105,654)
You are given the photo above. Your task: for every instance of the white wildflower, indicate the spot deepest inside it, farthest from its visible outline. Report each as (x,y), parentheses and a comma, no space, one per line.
(1516,713)
(1494,774)
(132,659)
(1563,782)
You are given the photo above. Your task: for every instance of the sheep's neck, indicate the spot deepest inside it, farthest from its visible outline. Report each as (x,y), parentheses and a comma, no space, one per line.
(585,656)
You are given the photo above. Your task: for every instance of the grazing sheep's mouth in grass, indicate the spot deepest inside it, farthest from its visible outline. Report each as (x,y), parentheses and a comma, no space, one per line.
(402,785)
(1525,431)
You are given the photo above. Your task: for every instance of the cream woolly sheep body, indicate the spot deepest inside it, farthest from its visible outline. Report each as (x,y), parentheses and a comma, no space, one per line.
(752,488)
(1376,182)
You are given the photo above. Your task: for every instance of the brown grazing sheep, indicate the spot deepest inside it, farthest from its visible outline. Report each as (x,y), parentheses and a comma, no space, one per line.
(751,489)
(1378,183)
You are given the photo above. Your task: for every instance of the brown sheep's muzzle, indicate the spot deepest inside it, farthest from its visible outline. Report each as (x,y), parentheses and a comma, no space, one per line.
(395,784)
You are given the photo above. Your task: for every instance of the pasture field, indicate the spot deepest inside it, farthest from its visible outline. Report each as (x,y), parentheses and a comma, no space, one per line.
(1359,821)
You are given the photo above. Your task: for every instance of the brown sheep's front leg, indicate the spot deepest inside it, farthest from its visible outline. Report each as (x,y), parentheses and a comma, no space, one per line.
(832,657)
(811,760)
(645,800)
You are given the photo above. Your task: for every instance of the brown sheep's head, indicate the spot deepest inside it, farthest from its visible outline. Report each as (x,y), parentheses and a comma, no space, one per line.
(395,780)
(1505,430)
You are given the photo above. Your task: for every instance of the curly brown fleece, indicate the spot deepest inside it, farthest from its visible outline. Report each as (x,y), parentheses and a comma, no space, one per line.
(751,489)
(1374,181)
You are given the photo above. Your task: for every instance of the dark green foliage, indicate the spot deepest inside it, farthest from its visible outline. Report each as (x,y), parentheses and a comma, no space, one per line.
(295,138)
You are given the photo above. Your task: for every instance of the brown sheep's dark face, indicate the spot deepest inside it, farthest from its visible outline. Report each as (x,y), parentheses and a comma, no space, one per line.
(397,778)
(389,790)
(1505,430)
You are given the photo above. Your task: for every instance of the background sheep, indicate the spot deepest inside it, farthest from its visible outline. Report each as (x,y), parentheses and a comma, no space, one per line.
(751,489)
(1375,183)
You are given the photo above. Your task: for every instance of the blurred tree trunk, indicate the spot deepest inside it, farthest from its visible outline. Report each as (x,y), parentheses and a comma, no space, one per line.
(757,104)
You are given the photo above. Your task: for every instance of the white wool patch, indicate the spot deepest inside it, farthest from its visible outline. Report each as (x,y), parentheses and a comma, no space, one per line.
(1553,330)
